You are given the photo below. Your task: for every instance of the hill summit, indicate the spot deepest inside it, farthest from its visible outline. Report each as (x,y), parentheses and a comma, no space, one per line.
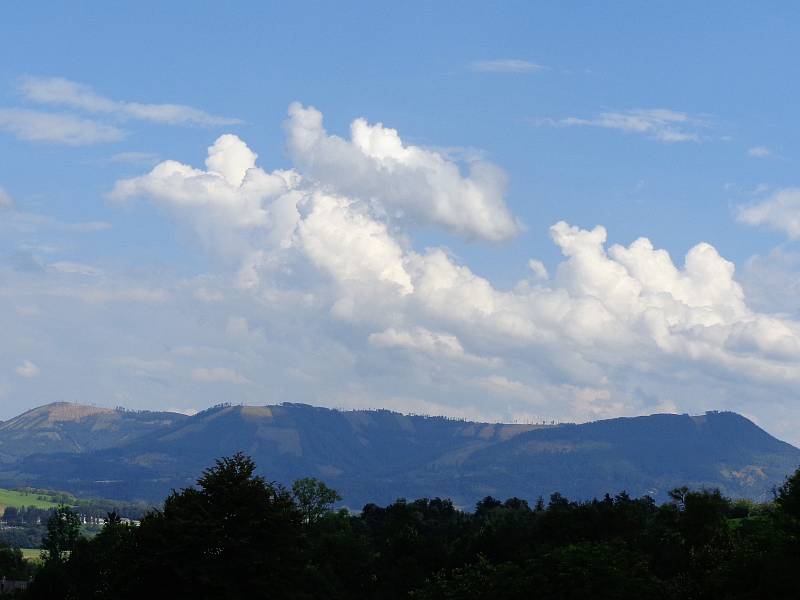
(75,428)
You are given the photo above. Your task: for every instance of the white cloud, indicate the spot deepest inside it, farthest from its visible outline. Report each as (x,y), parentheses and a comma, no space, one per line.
(538,268)
(36,126)
(604,311)
(218,375)
(6,200)
(660,124)
(28,370)
(221,189)
(234,207)
(63,92)
(251,216)
(375,165)
(430,343)
(230,194)
(352,246)
(342,308)
(759,152)
(509,65)
(781,212)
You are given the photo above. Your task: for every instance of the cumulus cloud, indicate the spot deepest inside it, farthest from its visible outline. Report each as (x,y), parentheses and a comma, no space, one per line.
(780,211)
(660,124)
(434,344)
(234,206)
(28,370)
(357,250)
(253,217)
(508,65)
(63,92)
(610,307)
(335,304)
(37,126)
(220,189)
(538,268)
(375,165)
(232,188)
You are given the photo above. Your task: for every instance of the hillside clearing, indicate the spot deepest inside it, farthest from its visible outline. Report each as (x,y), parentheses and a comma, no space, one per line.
(19,499)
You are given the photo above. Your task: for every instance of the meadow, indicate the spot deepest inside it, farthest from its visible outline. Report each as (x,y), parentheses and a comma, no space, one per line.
(19,499)
(33,555)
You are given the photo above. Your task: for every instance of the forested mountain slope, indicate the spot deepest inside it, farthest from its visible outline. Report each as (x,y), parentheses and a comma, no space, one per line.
(378,456)
(75,428)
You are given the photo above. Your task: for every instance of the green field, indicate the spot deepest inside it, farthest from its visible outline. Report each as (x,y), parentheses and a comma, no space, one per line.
(31,554)
(19,499)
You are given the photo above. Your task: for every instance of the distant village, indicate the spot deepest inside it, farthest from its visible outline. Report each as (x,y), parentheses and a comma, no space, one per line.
(14,517)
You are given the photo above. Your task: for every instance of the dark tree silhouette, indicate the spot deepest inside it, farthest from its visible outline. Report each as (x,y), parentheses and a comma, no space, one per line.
(237,535)
(63,532)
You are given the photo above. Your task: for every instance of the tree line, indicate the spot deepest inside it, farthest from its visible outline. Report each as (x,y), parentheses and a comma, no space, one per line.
(236,535)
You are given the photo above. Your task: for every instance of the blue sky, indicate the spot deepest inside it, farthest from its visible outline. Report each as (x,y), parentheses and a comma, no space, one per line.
(401,278)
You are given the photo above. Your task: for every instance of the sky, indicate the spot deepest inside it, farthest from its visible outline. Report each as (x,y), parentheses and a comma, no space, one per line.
(500,211)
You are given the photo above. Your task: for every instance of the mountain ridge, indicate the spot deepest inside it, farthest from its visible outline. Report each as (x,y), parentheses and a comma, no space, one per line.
(72,427)
(378,456)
